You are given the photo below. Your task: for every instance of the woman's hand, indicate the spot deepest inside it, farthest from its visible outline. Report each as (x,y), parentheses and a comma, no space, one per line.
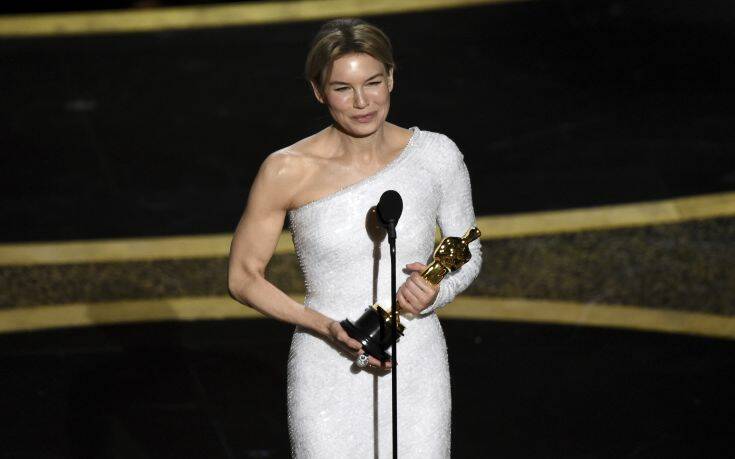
(416,294)
(352,346)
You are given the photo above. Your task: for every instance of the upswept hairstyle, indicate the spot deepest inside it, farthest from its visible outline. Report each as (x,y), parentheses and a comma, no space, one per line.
(344,36)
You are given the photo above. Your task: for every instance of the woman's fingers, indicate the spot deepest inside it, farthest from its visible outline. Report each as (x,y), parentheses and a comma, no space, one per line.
(416,266)
(340,335)
(415,294)
(422,284)
(413,299)
(353,346)
(373,362)
(350,342)
(404,303)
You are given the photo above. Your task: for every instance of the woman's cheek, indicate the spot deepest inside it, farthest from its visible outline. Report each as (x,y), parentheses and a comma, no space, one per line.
(343,103)
(382,94)
(379,94)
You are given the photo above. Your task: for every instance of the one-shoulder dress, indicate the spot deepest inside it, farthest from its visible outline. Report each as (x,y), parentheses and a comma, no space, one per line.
(336,410)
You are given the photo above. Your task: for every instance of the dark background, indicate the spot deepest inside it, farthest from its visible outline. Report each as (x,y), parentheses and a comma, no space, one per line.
(555,104)
(217,390)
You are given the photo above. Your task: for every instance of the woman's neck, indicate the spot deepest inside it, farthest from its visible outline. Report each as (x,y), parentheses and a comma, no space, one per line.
(363,150)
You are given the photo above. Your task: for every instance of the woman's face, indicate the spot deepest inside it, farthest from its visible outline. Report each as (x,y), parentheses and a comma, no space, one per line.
(357,93)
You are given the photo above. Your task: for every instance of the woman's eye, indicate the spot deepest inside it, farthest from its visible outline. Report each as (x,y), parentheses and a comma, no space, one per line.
(343,88)
(374,83)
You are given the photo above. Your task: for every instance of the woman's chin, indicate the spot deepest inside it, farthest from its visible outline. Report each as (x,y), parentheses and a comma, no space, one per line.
(357,129)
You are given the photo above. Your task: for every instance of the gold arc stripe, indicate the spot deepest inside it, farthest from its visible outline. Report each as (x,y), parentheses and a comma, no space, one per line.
(610,216)
(464,307)
(492,227)
(194,17)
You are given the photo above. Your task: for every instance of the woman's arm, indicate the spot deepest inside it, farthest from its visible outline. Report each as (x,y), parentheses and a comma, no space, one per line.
(255,241)
(456,215)
(253,246)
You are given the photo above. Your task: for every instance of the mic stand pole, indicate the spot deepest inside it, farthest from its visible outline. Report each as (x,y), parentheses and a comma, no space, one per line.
(394,313)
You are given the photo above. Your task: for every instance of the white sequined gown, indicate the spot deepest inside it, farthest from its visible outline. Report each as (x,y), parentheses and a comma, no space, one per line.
(336,410)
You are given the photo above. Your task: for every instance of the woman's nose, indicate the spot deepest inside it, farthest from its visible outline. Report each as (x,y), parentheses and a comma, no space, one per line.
(359,101)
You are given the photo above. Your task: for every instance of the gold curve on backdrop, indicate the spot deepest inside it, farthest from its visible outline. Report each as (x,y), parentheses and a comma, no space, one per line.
(668,211)
(464,307)
(213,16)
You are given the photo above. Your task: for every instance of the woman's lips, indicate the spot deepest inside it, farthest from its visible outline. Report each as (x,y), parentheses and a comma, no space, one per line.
(364,118)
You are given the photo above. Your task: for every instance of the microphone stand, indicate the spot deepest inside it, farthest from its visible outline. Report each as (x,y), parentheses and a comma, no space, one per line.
(394,312)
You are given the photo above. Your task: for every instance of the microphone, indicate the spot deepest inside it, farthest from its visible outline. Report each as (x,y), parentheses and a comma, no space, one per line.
(389,209)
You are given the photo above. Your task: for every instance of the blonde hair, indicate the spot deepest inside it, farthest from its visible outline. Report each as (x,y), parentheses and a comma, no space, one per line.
(345,36)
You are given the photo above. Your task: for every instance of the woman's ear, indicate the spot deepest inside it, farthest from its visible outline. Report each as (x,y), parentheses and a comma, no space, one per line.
(317,92)
(390,80)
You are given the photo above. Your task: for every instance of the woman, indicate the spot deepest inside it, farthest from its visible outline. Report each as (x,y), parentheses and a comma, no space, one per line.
(327,183)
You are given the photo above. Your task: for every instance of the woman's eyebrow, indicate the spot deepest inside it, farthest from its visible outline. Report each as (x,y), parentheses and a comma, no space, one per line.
(347,84)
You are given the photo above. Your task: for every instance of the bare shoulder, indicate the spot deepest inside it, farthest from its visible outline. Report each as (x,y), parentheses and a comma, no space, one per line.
(291,162)
(284,173)
(281,166)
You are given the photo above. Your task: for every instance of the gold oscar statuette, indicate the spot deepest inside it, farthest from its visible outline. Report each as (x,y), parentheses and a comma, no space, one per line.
(373,328)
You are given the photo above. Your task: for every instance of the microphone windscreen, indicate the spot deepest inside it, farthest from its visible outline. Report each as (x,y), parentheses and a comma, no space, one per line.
(390,207)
